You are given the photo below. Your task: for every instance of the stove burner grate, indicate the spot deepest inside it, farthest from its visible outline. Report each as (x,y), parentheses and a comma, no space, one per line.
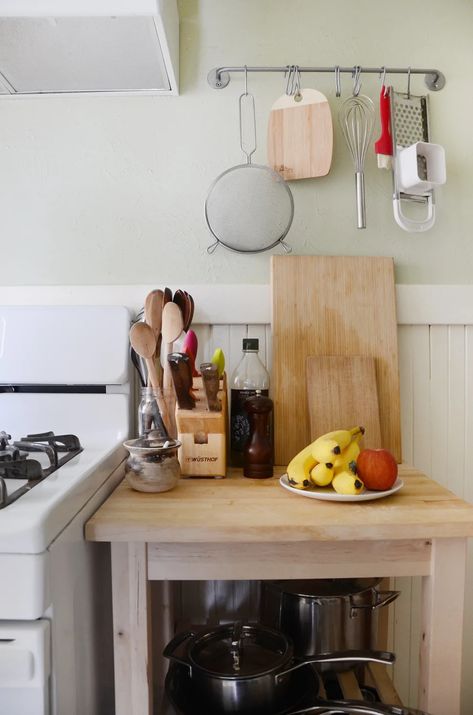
(15,461)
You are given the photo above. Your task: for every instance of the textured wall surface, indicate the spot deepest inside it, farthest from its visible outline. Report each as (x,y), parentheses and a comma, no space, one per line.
(111,190)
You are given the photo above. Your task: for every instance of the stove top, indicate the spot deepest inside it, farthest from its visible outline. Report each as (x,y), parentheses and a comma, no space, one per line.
(20,472)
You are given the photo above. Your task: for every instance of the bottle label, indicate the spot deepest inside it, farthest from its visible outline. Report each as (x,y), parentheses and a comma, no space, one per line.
(239,424)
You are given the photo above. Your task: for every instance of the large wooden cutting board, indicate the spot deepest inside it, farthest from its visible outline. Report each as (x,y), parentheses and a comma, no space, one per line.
(341,393)
(331,305)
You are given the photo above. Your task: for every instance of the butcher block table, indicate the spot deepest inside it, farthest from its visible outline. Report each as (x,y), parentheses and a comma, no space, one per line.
(238,528)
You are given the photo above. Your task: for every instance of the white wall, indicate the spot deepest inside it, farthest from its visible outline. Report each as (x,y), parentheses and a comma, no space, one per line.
(111,190)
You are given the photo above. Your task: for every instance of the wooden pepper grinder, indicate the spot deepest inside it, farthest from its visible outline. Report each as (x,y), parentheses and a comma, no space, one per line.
(258,451)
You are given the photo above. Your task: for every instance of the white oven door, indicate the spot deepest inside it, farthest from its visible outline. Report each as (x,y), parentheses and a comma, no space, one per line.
(24,667)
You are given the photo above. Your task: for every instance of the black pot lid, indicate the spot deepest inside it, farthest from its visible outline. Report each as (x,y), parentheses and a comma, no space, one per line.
(239,651)
(326,587)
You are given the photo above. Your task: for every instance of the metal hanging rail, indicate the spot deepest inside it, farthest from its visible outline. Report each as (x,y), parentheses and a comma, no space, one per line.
(219,77)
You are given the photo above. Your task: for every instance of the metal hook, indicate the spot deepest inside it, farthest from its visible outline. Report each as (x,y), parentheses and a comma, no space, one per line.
(408,83)
(383,80)
(338,83)
(297,86)
(290,80)
(356,74)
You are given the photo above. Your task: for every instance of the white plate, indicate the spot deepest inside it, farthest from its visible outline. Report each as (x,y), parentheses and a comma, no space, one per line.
(328,494)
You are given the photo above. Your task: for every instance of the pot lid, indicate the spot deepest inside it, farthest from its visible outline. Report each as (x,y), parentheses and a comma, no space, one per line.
(239,650)
(326,588)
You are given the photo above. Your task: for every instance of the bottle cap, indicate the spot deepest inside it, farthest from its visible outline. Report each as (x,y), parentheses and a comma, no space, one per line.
(251,344)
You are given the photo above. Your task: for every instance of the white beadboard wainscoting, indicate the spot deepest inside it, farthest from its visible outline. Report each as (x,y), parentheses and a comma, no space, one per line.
(435,330)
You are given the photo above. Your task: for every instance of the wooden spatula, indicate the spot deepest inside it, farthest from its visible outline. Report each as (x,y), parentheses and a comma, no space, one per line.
(342,393)
(153,310)
(171,329)
(300,136)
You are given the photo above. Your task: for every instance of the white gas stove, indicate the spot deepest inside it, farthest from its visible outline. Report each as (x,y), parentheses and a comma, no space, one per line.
(63,370)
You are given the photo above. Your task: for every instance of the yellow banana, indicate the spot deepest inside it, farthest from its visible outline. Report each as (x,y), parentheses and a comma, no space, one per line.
(322,474)
(325,450)
(347,455)
(332,443)
(347,483)
(343,437)
(298,469)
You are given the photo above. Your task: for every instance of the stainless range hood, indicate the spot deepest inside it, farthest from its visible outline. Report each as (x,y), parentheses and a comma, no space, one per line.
(88,46)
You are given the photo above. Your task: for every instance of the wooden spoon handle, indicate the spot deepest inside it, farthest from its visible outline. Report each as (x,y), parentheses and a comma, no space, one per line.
(154,380)
(152,372)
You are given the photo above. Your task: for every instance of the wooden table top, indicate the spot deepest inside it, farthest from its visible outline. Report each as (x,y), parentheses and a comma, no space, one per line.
(241,510)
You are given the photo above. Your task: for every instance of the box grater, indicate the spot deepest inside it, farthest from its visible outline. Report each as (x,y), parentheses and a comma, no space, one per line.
(410,124)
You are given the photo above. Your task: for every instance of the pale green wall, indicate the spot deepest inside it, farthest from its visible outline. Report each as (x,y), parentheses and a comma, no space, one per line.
(111,189)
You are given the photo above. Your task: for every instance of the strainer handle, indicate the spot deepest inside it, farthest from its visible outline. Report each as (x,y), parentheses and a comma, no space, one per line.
(246,104)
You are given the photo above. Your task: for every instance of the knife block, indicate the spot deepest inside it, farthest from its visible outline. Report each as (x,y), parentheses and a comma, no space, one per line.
(203,435)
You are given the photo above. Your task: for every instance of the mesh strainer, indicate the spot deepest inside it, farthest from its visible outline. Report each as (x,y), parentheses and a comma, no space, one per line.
(249,208)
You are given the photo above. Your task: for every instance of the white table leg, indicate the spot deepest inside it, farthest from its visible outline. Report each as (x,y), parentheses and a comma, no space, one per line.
(442,626)
(131,616)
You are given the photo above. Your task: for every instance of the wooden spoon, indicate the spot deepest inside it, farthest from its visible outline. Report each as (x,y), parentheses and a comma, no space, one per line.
(143,342)
(153,310)
(171,328)
(191,309)
(180,299)
(153,316)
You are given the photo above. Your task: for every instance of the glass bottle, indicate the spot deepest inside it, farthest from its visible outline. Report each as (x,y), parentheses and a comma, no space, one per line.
(156,413)
(249,375)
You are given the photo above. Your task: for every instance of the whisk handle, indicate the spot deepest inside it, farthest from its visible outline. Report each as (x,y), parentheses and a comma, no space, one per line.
(360,199)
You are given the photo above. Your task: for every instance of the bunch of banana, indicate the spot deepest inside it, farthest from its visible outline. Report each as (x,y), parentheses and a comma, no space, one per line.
(330,459)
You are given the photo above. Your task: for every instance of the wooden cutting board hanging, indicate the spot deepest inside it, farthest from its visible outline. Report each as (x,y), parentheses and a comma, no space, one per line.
(342,393)
(331,305)
(300,136)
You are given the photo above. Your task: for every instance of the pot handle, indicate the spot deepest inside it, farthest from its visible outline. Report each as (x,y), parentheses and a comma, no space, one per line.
(347,707)
(355,656)
(382,599)
(173,645)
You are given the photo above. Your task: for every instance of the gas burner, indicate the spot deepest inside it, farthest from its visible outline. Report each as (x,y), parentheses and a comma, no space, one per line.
(16,463)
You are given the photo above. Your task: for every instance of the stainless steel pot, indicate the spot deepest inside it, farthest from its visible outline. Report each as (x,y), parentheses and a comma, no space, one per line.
(325,615)
(355,708)
(247,668)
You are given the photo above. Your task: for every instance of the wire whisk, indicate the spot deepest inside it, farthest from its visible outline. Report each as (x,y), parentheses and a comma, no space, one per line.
(356,119)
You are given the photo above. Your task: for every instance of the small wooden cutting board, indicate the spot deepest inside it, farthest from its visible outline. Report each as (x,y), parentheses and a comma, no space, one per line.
(300,136)
(342,393)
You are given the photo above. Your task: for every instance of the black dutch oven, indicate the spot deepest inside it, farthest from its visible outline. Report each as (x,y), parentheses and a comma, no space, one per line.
(248,668)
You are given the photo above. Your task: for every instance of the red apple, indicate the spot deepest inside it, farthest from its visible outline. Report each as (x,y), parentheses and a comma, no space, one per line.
(377,468)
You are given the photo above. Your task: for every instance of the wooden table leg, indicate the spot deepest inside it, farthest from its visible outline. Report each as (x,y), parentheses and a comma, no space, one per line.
(442,628)
(131,616)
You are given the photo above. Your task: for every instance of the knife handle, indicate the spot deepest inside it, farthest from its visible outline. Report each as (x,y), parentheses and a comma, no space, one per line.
(211,384)
(179,365)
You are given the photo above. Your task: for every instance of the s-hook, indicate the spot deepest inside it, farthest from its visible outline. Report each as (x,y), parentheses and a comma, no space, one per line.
(338,82)
(356,80)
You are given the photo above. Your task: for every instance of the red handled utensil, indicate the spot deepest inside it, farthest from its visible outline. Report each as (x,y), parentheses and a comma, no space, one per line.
(190,347)
(384,146)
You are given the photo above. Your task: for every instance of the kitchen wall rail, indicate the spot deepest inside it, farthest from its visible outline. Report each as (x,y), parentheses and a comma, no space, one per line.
(219,77)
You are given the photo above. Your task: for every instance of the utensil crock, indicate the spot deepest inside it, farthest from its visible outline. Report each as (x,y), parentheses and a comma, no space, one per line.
(151,465)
